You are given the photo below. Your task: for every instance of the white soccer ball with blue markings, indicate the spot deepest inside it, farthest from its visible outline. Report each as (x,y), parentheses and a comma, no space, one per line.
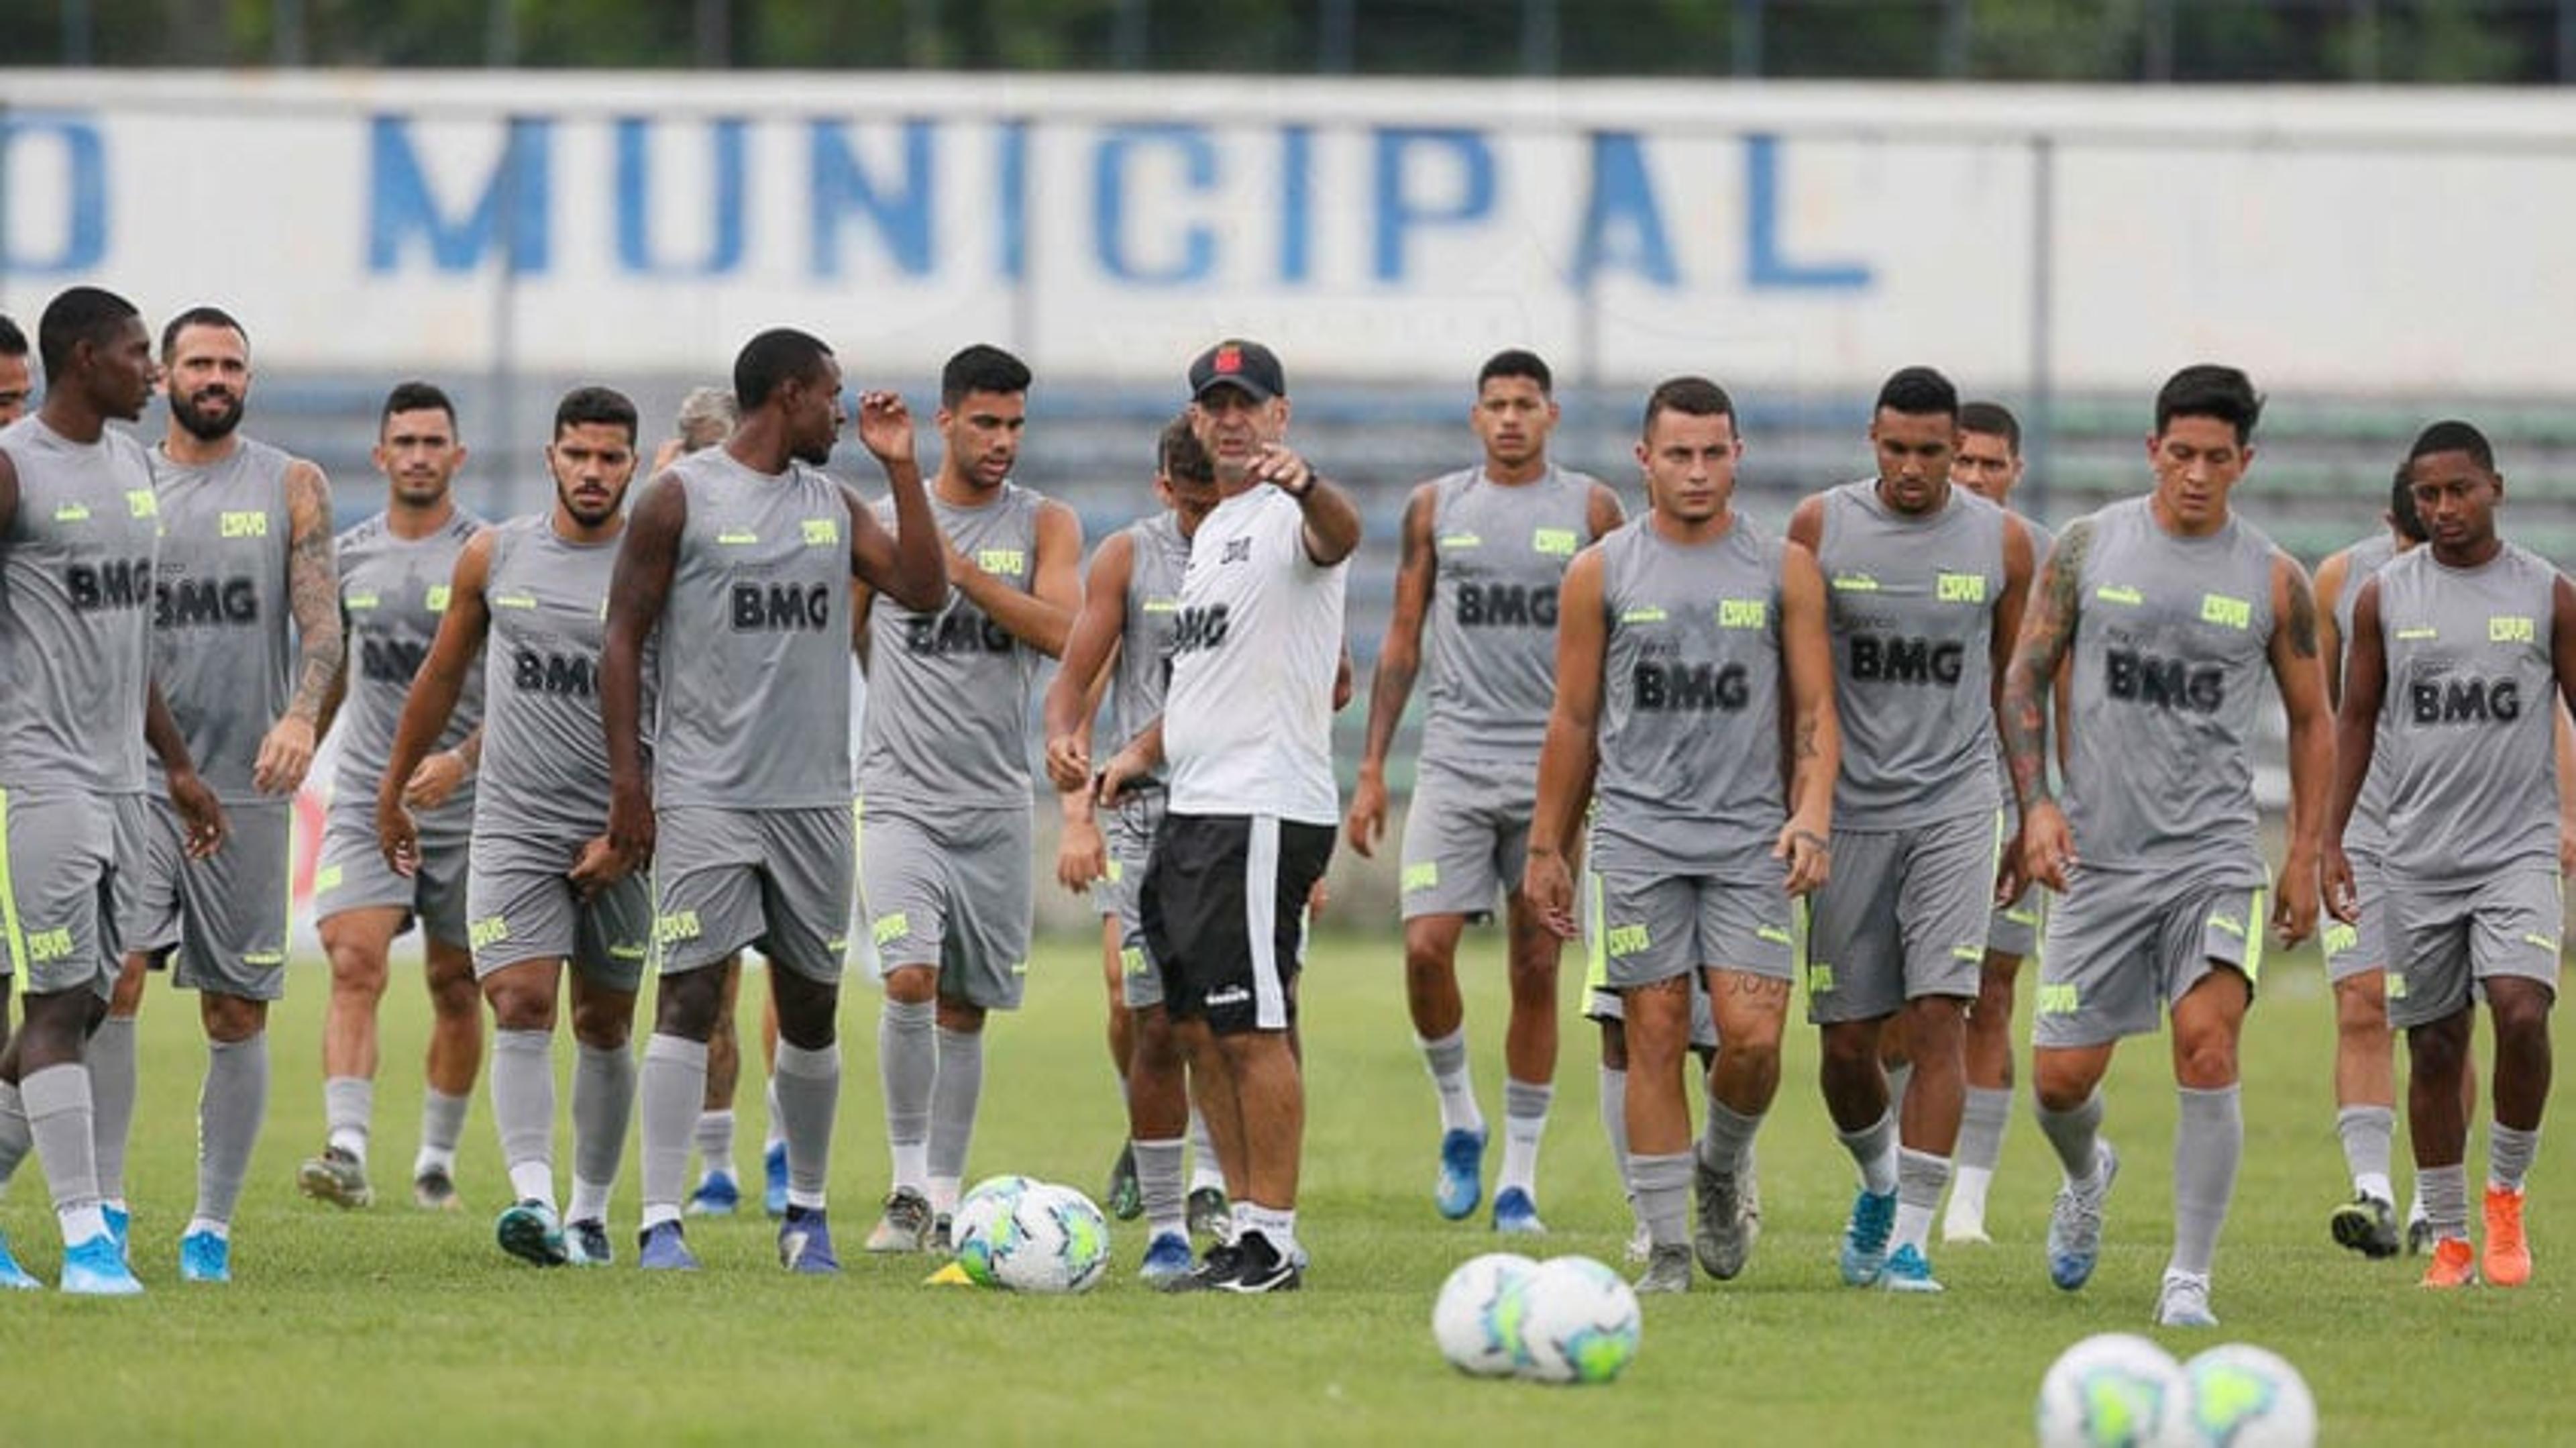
(1477,1317)
(2114,1390)
(982,1223)
(2243,1396)
(1581,1324)
(1055,1241)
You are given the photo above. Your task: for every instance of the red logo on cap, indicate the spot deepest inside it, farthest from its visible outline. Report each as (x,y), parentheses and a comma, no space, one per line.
(1229,359)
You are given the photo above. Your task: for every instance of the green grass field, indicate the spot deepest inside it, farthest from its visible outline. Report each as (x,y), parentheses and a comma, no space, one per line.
(395,1325)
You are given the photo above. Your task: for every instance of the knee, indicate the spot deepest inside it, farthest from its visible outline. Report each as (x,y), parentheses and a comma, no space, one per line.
(2205,1060)
(2061,1084)
(1156,1045)
(1849,1049)
(1933,1028)
(2521,1018)
(959,1017)
(912,984)
(687,1006)
(520,1004)
(602,1024)
(231,1019)
(357,971)
(2361,1007)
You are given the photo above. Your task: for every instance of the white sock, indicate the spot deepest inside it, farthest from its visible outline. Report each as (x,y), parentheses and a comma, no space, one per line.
(715,1141)
(1525,1106)
(1206,1175)
(1446,1058)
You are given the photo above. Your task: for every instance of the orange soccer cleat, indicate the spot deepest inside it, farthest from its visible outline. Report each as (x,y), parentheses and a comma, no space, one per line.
(2454,1264)
(2508,1262)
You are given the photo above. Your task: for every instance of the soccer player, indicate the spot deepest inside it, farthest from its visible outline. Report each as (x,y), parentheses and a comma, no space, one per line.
(245,550)
(1989,464)
(77,544)
(1252,806)
(2170,608)
(944,779)
(16,382)
(1924,586)
(2458,650)
(1485,550)
(741,557)
(1130,613)
(396,570)
(543,889)
(1691,658)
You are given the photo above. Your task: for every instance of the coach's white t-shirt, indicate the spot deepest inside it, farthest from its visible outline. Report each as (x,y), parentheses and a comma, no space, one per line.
(1248,719)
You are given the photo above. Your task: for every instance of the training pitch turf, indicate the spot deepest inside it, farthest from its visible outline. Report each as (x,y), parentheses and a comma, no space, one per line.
(394,1325)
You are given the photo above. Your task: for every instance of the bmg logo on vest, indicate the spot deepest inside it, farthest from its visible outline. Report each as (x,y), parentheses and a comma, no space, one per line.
(2134,676)
(571,677)
(1689,688)
(200,602)
(1898,660)
(1506,605)
(390,661)
(116,584)
(2463,699)
(959,630)
(1199,628)
(781,607)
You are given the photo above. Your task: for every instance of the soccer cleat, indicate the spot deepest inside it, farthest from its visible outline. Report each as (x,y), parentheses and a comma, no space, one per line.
(1264,1269)
(433,1189)
(1668,1269)
(337,1177)
(2454,1264)
(951,1273)
(2075,1223)
(586,1243)
(94,1268)
(1959,1226)
(1462,1173)
(119,1222)
(2366,1225)
(2184,1301)
(1641,1246)
(1166,1257)
(530,1231)
(1864,1249)
(1219,1267)
(1907,1271)
(205,1257)
(773,1171)
(943,1234)
(1210,1213)
(1516,1215)
(2508,1256)
(905,1227)
(14,1278)
(717,1195)
(2419,1236)
(1726,1231)
(661,1248)
(805,1243)
(1125,1199)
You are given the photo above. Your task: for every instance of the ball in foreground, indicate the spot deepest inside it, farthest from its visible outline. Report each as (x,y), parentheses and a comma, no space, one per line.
(1056,1241)
(1477,1317)
(982,1226)
(1580,1325)
(2249,1397)
(2113,1390)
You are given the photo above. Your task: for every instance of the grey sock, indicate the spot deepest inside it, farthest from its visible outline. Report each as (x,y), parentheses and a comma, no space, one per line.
(442,1120)
(112,1089)
(2075,1134)
(674,1086)
(65,1128)
(908,1064)
(523,1096)
(1920,1179)
(954,1094)
(1900,1078)
(1614,1122)
(2509,1152)
(1873,1149)
(2445,1193)
(715,1140)
(16,1139)
(1158,1181)
(1727,1139)
(1981,1127)
(809,1093)
(1663,1185)
(2209,1141)
(2367,1133)
(230,1109)
(1526,1101)
(603,1103)
(348,1109)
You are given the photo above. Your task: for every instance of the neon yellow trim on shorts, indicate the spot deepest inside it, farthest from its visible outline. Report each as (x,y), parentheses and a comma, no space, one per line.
(2543,941)
(9,895)
(1772,933)
(1967,952)
(1820,979)
(1131,961)
(1596,952)
(2254,935)
(2338,938)
(1625,940)
(1421,877)
(326,879)
(889,928)
(490,930)
(2058,1000)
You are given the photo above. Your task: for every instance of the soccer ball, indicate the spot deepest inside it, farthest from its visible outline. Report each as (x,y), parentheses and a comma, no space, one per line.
(982,1224)
(2244,1396)
(1581,1324)
(1477,1319)
(2113,1390)
(1054,1241)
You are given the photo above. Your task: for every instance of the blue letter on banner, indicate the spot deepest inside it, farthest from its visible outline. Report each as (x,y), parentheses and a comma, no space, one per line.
(401,205)
(85,162)
(1764,267)
(1109,202)
(841,186)
(1396,211)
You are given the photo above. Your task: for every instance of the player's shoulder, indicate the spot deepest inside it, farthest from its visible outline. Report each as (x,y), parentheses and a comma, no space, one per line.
(462,525)
(364,534)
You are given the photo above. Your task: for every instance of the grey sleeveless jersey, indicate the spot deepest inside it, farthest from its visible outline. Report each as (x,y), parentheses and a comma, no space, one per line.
(754,705)
(2041,543)
(948,692)
(1689,782)
(2470,716)
(545,756)
(1500,550)
(1912,605)
(75,613)
(1160,556)
(220,618)
(393,593)
(2366,833)
(2170,658)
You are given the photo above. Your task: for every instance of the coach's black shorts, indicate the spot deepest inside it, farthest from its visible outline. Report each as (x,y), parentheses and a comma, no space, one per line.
(1224,910)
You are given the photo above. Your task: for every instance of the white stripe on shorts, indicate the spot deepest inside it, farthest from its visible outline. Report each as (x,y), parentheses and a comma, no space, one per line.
(1261,922)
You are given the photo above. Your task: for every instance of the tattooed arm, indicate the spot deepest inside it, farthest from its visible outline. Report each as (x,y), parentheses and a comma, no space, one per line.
(2047,631)
(313,593)
(2299,668)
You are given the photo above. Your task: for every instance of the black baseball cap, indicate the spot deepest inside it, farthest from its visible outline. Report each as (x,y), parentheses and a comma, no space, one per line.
(1241,364)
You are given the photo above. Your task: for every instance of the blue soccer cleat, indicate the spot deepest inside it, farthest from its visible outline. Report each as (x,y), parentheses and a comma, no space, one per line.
(14,1278)
(717,1195)
(95,1268)
(530,1231)
(205,1257)
(773,1167)
(586,1243)
(1167,1259)
(1907,1271)
(805,1243)
(1864,1249)
(119,1223)
(1462,1173)
(1516,1215)
(2075,1222)
(661,1248)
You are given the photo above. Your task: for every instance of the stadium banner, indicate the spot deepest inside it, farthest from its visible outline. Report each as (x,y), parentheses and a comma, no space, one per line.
(2349,240)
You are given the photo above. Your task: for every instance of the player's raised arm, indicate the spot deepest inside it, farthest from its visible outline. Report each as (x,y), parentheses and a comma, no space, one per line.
(1815,733)
(1073,695)
(1332,531)
(1567,759)
(2047,629)
(646,557)
(452,658)
(1399,658)
(2298,669)
(911,565)
(1042,615)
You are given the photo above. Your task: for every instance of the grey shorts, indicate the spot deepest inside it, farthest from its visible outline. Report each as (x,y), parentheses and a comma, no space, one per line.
(951,889)
(60,888)
(778,879)
(521,906)
(1129,834)
(2362,946)
(1903,916)
(2122,945)
(2447,939)
(1654,928)
(353,874)
(1466,837)
(222,919)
